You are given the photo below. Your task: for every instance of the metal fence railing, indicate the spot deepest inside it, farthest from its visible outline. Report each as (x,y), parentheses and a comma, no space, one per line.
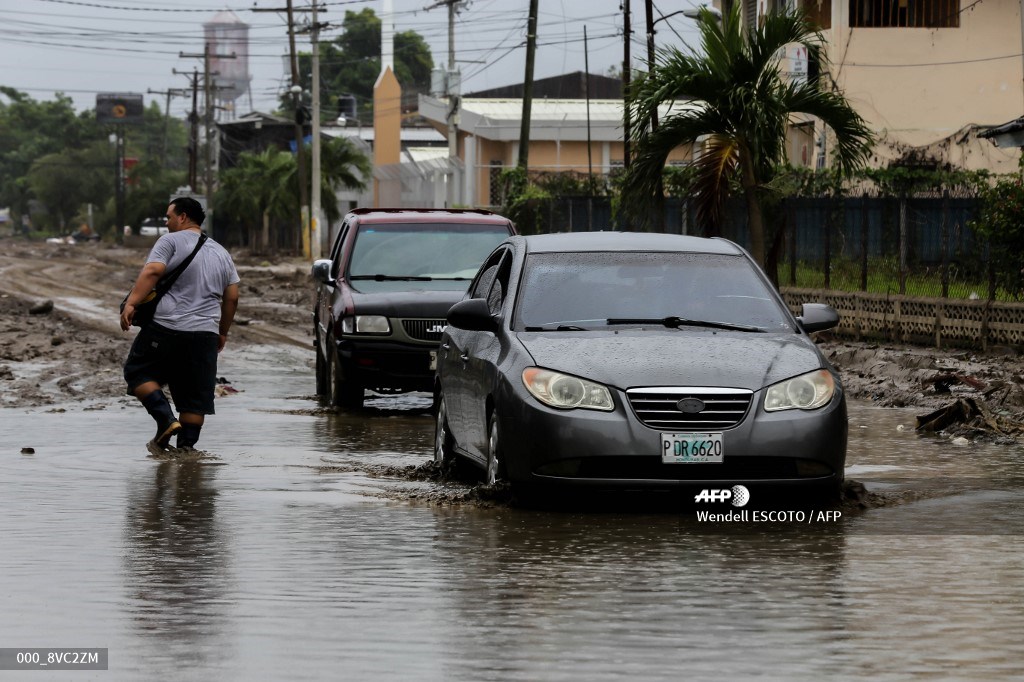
(916,246)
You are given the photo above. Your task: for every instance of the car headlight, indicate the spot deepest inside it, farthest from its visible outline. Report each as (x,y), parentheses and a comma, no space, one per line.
(805,392)
(565,391)
(365,324)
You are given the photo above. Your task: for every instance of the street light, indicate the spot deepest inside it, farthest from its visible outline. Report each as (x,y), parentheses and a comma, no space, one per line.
(695,12)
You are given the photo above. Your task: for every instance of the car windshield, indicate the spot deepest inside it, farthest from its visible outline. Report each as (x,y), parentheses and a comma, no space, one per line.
(429,255)
(568,291)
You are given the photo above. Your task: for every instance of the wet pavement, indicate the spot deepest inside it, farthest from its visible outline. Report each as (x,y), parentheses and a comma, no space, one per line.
(287,555)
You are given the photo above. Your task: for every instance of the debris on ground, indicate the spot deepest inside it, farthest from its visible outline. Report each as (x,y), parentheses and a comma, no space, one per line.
(969,416)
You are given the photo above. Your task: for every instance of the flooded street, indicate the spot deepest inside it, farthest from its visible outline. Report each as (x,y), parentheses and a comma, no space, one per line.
(288,555)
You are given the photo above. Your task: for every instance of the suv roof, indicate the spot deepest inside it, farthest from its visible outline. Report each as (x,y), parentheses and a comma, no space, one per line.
(428,215)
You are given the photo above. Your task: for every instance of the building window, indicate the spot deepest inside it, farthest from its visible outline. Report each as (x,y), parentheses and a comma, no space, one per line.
(819,12)
(905,13)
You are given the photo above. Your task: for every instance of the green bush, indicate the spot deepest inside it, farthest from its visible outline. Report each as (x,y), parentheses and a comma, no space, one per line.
(1001,220)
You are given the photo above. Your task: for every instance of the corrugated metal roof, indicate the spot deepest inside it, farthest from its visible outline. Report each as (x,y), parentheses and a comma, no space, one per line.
(407,134)
(553,109)
(550,119)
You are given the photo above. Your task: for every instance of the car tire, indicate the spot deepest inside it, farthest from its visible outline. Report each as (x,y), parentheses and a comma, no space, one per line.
(444,444)
(322,391)
(494,468)
(344,393)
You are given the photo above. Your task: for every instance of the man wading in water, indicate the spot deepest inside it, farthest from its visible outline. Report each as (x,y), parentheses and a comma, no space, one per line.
(179,347)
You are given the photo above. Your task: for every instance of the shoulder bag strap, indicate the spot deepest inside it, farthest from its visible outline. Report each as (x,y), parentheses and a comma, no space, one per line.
(167,281)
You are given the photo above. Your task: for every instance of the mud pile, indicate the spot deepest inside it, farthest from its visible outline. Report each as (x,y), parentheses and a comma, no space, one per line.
(961,393)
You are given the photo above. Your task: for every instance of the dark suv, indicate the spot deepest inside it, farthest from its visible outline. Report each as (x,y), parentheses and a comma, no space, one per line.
(383,295)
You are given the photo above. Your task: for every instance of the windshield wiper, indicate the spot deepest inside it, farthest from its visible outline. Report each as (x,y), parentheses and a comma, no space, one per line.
(558,328)
(392,278)
(676,322)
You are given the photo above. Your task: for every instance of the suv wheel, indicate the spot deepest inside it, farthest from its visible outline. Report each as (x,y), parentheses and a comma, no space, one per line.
(344,393)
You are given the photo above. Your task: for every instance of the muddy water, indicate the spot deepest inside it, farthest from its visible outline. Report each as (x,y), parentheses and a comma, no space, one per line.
(285,555)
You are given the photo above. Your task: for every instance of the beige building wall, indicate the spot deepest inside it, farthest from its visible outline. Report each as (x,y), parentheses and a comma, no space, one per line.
(923,91)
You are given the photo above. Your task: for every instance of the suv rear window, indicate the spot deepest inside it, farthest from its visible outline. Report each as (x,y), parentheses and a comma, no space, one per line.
(439,251)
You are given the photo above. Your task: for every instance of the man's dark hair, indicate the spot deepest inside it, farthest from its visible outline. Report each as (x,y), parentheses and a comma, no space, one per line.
(189,207)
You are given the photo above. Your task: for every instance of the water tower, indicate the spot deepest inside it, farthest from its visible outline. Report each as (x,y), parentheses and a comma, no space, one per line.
(227,34)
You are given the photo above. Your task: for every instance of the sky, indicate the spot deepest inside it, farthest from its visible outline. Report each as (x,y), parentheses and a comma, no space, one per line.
(82,47)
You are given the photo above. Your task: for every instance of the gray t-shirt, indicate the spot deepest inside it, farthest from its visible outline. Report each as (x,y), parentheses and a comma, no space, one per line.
(193,303)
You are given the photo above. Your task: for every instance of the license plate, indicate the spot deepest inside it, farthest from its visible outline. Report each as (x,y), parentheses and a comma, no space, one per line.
(692,448)
(433,359)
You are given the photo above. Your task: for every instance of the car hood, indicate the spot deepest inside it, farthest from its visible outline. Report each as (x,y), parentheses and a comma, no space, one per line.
(634,358)
(417,303)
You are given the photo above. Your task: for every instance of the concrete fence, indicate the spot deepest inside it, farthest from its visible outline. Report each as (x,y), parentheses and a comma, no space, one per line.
(911,319)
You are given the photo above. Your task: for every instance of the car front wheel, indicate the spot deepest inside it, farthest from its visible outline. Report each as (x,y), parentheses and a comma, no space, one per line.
(345,393)
(495,469)
(443,445)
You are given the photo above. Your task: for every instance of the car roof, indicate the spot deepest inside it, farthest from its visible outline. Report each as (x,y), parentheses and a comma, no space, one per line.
(627,241)
(428,215)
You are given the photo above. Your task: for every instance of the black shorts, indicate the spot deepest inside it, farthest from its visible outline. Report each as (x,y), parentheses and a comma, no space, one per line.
(184,361)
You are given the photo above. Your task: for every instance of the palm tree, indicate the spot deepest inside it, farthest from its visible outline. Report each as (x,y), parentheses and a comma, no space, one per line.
(341,165)
(264,187)
(741,104)
(256,191)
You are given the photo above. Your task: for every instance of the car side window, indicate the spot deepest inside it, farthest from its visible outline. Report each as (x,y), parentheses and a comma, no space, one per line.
(487,273)
(336,251)
(499,287)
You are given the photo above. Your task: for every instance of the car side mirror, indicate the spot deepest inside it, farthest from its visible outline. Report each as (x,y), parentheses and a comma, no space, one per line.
(322,271)
(473,315)
(816,317)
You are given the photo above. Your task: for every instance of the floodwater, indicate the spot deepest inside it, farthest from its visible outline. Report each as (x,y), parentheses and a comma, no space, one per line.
(287,556)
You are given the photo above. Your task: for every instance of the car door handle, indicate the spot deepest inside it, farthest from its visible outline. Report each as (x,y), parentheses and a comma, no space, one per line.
(446,346)
(465,357)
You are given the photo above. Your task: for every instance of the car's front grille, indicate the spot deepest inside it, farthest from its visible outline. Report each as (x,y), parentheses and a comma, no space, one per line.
(712,408)
(424,330)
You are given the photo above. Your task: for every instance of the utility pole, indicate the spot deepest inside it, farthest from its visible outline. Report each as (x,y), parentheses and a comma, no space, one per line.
(452,86)
(590,155)
(300,143)
(315,217)
(193,119)
(453,102)
(296,90)
(120,176)
(659,199)
(170,92)
(208,89)
(626,69)
(648,6)
(531,49)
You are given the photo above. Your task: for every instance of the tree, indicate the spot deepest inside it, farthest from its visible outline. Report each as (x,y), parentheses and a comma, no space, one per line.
(351,63)
(30,130)
(66,180)
(342,165)
(262,188)
(742,104)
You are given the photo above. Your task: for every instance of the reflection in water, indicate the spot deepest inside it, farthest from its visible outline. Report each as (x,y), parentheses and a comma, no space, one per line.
(602,597)
(176,564)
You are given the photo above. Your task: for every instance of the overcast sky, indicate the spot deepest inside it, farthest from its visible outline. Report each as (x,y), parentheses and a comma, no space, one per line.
(81,47)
